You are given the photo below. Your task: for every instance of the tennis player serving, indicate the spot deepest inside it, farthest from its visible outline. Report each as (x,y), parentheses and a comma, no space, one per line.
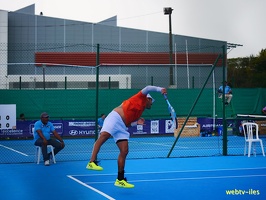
(116,123)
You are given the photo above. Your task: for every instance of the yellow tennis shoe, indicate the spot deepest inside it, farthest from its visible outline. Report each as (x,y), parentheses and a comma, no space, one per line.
(94,166)
(123,183)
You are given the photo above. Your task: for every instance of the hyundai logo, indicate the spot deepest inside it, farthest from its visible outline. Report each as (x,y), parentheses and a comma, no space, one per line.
(73,132)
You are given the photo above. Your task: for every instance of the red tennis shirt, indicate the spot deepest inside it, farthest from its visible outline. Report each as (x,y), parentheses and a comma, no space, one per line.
(134,107)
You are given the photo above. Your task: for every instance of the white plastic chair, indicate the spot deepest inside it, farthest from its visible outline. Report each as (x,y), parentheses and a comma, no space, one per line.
(249,128)
(39,150)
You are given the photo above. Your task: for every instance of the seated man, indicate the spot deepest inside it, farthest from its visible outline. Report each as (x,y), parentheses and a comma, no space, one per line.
(42,130)
(227,92)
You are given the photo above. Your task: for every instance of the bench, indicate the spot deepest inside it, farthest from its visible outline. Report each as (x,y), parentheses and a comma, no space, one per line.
(192,128)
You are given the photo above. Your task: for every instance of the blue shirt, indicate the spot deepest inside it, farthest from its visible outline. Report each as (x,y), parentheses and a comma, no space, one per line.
(100,122)
(46,129)
(227,89)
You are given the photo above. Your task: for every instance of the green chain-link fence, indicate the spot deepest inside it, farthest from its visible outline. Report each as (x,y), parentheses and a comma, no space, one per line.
(62,80)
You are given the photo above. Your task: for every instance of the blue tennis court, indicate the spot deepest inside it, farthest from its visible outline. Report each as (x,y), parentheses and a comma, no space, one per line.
(219,177)
(181,176)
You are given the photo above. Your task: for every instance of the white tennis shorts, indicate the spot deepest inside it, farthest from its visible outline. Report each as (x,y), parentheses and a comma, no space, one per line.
(114,125)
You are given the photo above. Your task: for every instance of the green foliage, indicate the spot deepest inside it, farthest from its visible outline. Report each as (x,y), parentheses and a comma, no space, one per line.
(248,72)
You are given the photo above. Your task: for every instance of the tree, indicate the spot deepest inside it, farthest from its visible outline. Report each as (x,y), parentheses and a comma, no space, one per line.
(248,72)
(260,65)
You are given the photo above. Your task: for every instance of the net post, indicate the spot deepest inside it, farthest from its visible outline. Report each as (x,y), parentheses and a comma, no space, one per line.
(97,92)
(224,116)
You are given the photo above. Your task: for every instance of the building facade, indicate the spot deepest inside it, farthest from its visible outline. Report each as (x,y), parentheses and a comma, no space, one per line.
(35,48)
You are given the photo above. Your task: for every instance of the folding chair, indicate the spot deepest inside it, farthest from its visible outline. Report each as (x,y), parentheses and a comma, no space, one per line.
(250,128)
(39,150)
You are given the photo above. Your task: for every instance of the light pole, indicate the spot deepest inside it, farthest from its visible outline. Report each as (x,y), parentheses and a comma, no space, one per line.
(168,11)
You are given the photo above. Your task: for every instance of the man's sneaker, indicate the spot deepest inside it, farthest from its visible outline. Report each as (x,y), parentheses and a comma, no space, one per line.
(47,162)
(123,183)
(94,166)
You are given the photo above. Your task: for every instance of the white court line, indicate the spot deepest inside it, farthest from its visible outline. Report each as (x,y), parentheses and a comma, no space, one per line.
(172,179)
(158,144)
(181,171)
(14,150)
(181,179)
(92,188)
(153,143)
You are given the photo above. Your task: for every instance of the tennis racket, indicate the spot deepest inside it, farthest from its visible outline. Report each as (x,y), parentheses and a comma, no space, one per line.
(172,112)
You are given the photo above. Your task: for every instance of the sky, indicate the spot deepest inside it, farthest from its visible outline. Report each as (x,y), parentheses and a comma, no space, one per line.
(234,21)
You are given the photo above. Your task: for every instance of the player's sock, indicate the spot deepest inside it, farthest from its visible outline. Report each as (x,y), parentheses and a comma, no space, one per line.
(120,175)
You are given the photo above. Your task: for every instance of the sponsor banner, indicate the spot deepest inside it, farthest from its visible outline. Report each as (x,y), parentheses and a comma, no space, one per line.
(155,126)
(169,128)
(81,123)
(74,128)
(208,124)
(81,128)
(158,126)
(25,129)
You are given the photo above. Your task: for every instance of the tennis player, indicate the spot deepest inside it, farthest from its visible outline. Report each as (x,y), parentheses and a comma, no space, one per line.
(116,123)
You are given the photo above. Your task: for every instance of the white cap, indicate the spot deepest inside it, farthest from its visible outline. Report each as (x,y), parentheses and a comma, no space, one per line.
(149,96)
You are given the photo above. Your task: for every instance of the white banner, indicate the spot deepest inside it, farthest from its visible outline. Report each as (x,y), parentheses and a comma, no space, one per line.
(7,116)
